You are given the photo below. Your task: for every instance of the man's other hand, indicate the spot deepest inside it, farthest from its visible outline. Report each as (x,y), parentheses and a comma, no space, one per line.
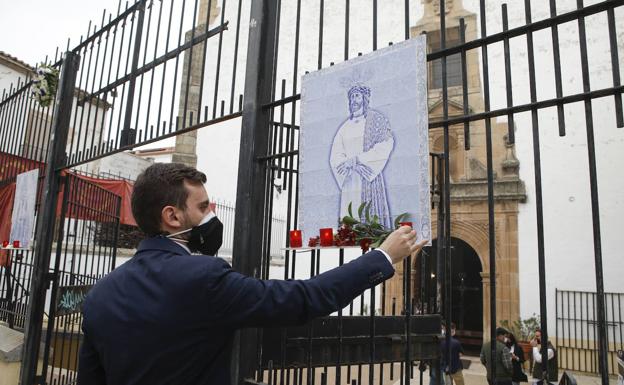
(401,243)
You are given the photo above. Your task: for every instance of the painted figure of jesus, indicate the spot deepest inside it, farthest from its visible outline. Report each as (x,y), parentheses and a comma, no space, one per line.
(360,151)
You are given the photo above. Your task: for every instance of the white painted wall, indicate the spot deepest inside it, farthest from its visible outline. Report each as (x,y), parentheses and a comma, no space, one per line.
(565,173)
(9,76)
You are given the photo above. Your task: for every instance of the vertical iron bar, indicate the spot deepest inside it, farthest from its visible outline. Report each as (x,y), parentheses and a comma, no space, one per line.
(43,248)
(593,183)
(152,76)
(164,73)
(175,72)
(557,63)
(374,25)
(490,189)
(508,85)
(126,136)
(464,75)
(446,299)
(538,187)
(218,69)
(56,278)
(252,174)
(615,67)
(235,60)
(190,66)
(346,40)
(320,45)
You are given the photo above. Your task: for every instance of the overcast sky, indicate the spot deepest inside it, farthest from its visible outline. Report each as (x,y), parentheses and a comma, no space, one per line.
(32,29)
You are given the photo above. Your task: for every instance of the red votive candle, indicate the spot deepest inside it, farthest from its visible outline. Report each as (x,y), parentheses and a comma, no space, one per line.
(295,238)
(5,243)
(405,224)
(16,244)
(327,237)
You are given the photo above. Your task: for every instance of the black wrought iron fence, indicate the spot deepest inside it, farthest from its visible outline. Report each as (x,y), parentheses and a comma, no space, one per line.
(151,72)
(577,330)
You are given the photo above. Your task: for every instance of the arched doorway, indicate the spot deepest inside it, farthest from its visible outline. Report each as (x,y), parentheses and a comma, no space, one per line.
(466,289)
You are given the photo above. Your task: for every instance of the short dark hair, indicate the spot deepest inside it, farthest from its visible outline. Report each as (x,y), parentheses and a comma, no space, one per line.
(160,185)
(501,331)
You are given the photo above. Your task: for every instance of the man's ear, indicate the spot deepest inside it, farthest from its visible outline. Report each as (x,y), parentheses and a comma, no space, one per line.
(171,218)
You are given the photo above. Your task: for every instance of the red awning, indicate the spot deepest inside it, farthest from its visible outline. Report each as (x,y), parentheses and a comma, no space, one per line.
(121,188)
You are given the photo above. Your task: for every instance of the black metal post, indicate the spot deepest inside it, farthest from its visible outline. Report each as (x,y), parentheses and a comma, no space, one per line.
(252,172)
(128,134)
(47,214)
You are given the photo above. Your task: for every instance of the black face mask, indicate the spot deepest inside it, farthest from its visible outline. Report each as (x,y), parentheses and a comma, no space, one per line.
(206,237)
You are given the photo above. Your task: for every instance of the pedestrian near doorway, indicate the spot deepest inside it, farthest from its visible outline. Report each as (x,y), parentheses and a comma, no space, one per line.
(517,361)
(538,361)
(502,359)
(453,369)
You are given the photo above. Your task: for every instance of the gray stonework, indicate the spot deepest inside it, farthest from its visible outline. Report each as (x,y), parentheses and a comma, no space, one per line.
(186,144)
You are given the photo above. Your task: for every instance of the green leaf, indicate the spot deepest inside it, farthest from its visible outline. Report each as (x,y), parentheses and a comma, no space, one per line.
(367,214)
(375,219)
(347,220)
(400,219)
(349,209)
(361,210)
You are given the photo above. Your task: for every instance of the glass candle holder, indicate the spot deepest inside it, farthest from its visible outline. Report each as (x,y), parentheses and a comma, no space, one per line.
(327,237)
(296,238)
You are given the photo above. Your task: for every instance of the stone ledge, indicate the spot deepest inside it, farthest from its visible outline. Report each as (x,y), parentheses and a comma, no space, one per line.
(477,190)
(11,342)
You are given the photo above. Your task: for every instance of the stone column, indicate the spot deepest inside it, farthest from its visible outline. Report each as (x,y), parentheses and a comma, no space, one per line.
(186,144)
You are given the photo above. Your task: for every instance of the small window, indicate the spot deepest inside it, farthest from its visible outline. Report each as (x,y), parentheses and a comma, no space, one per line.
(453,62)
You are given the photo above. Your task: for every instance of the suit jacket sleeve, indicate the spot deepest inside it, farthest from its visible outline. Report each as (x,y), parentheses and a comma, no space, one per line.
(236,300)
(90,370)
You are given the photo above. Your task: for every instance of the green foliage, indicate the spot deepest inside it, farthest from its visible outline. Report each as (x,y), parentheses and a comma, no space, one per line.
(369,227)
(523,329)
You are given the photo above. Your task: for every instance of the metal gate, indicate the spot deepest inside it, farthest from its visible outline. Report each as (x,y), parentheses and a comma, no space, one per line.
(86,249)
(577,330)
(165,68)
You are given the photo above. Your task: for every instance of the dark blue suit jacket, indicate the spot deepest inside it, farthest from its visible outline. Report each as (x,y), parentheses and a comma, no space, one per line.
(168,317)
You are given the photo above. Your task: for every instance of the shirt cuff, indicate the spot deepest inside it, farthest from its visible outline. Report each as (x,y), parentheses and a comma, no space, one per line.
(387,257)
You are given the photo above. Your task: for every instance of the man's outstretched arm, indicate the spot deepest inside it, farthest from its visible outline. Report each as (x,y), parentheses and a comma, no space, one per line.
(248,302)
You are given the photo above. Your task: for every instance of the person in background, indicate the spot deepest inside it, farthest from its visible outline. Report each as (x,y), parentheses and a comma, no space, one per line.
(453,369)
(552,367)
(434,375)
(517,359)
(502,359)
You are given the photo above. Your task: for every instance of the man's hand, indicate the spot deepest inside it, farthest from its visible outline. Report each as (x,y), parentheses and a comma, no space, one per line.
(401,243)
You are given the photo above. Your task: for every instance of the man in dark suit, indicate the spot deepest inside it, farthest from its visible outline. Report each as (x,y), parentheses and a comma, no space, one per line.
(168,316)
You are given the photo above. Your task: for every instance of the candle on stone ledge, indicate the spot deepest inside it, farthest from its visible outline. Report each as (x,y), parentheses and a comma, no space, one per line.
(295,238)
(327,237)
(16,244)
(5,244)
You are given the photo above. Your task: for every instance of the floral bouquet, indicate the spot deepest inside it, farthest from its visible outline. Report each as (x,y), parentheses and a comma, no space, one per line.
(44,86)
(366,231)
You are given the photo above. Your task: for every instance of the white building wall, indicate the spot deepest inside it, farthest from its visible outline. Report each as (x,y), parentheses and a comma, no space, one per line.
(9,76)
(568,227)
